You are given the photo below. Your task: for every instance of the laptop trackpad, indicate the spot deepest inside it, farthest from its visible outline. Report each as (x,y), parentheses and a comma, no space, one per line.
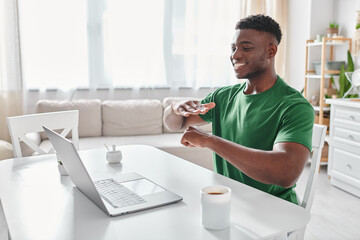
(143,187)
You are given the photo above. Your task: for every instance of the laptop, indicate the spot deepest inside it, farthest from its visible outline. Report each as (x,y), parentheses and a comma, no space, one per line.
(127,193)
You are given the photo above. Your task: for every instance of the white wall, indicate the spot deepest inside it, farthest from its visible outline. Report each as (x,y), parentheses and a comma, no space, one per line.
(322,13)
(298,33)
(345,15)
(307,18)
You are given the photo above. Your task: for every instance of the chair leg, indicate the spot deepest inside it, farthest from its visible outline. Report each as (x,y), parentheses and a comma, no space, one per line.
(4,233)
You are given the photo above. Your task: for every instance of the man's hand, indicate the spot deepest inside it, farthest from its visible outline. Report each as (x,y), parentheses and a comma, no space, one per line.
(193,137)
(187,108)
(180,115)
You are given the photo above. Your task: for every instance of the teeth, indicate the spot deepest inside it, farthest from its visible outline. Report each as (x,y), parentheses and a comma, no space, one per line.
(237,65)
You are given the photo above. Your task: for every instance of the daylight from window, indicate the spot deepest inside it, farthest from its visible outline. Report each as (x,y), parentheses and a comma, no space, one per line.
(114,43)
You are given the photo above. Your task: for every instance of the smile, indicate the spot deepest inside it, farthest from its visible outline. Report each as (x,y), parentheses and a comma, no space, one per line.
(238,65)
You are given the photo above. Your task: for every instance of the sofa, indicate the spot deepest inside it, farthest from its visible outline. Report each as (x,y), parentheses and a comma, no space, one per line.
(124,122)
(6,150)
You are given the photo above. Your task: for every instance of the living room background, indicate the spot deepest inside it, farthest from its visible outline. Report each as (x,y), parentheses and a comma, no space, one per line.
(75,65)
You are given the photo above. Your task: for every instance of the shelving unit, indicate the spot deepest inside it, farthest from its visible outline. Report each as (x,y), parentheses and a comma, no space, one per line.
(325,74)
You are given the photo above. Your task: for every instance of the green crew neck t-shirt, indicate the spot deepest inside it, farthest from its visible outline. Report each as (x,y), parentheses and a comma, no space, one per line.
(279,114)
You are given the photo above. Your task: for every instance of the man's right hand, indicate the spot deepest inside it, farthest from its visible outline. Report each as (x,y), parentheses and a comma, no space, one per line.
(187,108)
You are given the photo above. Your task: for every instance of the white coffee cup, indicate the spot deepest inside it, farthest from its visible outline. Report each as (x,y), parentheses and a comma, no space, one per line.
(215,207)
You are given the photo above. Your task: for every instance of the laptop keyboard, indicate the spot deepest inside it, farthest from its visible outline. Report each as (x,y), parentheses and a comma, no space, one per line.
(117,194)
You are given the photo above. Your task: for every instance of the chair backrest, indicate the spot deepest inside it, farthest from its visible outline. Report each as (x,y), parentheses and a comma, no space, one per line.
(19,126)
(318,138)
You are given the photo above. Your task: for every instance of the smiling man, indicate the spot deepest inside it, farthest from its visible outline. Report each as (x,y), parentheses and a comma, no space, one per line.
(262,129)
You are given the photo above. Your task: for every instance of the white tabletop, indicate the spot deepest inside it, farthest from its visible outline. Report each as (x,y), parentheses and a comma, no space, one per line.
(40,204)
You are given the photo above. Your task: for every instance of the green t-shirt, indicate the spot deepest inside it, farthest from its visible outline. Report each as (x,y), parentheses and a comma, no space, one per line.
(280,114)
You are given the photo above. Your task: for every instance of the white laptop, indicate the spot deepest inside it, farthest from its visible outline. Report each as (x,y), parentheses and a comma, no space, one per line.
(127,193)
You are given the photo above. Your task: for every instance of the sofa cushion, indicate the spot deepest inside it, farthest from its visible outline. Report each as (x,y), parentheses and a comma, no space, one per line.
(25,149)
(89,113)
(167,101)
(6,150)
(132,117)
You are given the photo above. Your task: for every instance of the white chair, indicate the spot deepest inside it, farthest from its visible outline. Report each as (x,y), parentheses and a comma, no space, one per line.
(19,126)
(318,139)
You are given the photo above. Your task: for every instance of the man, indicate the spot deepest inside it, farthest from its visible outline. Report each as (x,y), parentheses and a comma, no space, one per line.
(262,129)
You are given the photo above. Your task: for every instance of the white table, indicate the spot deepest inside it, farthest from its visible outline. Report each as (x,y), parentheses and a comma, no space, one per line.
(40,204)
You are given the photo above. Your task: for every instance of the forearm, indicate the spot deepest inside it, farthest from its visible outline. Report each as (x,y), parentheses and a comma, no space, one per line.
(269,167)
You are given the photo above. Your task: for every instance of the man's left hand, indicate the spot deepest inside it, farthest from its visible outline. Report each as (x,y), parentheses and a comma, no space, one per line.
(193,137)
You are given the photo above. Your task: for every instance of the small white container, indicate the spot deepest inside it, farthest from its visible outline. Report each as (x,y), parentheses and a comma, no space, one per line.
(114,156)
(61,167)
(62,170)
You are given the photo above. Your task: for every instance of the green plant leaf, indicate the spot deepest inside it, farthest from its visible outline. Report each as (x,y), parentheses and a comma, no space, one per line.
(334,85)
(342,81)
(350,67)
(357,26)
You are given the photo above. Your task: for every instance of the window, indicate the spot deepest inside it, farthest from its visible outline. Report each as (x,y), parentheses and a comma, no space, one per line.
(134,42)
(53,37)
(118,43)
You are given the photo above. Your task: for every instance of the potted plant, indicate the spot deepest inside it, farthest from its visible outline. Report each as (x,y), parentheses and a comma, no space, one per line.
(333,29)
(344,84)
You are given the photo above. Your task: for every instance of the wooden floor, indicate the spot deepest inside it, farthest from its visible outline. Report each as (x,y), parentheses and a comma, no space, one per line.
(335,214)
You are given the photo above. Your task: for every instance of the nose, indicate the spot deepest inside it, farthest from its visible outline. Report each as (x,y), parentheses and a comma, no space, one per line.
(235,54)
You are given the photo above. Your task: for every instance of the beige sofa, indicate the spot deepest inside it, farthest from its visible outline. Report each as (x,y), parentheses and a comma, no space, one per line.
(123,122)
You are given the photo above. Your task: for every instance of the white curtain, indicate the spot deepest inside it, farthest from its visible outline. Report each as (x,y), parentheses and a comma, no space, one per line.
(208,33)
(10,66)
(114,43)
(54,43)
(277,9)
(134,43)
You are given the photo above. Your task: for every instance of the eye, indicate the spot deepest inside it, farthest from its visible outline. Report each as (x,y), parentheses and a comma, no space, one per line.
(233,48)
(246,49)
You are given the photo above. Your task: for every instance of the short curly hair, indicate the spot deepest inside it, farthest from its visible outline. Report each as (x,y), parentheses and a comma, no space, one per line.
(261,23)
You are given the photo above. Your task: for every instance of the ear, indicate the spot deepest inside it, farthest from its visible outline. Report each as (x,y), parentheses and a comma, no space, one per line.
(272,50)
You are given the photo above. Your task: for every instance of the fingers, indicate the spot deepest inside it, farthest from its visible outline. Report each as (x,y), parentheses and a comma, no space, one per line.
(182,112)
(206,107)
(187,108)
(191,137)
(210,105)
(187,144)
(192,108)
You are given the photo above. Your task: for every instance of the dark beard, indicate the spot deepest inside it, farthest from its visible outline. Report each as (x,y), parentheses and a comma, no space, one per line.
(254,74)
(257,71)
